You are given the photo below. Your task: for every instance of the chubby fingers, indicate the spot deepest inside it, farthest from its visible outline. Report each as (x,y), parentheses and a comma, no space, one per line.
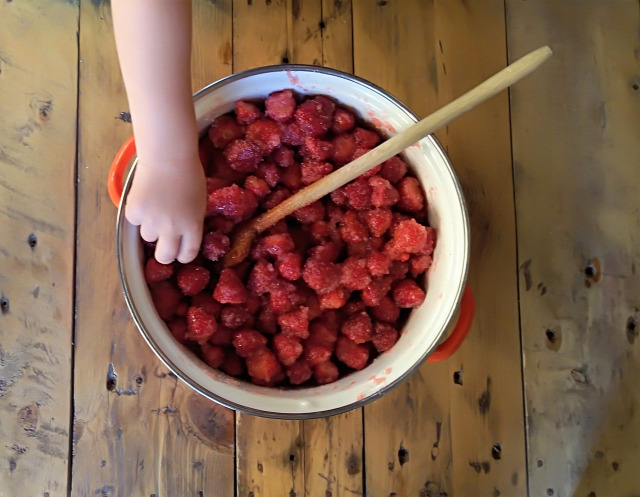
(147,233)
(174,245)
(190,244)
(167,247)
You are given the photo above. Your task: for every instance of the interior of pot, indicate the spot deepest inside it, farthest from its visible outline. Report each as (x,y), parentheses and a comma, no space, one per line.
(426,324)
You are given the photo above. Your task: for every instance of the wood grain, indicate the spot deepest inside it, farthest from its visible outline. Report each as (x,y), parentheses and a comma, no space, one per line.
(457,47)
(304,32)
(576,149)
(260,34)
(333,465)
(270,456)
(270,453)
(407,432)
(453,428)
(38,88)
(138,431)
(337,35)
(394,48)
(211,50)
(487,438)
(327,452)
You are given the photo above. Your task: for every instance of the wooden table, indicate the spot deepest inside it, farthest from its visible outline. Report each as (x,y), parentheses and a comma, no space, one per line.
(542,398)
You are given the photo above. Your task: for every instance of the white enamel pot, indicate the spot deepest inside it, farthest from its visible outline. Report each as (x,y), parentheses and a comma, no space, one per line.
(426,326)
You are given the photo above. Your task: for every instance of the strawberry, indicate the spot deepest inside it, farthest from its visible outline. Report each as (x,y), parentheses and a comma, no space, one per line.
(263,365)
(384,336)
(343,121)
(287,348)
(314,116)
(322,276)
(230,289)
(243,155)
(313,171)
(411,196)
(233,202)
(333,299)
(165,298)
(192,279)
(299,372)
(247,341)
(290,266)
(295,323)
(359,194)
(355,275)
(393,169)
(212,355)
(383,193)
(236,316)
(214,245)
(316,353)
(407,293)
(280,105)
(155,271)
(265,133)
(357,327)
(224,130)
(387,311)
(378,264)
(178,328)
(247,112)
(351,354)
(366,138)
(201,325)
(233,364)
(206,302)
(326,372)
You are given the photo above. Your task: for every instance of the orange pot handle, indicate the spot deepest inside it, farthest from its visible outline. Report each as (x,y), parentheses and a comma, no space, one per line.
(459,333)
(119,165)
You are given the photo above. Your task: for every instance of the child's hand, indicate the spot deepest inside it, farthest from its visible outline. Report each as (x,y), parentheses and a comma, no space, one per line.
(168,195)
(168,203)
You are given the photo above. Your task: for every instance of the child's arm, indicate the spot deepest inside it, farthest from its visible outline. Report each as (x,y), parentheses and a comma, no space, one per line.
(168,195)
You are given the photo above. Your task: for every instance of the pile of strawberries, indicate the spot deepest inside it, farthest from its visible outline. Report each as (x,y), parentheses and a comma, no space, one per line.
(325,290)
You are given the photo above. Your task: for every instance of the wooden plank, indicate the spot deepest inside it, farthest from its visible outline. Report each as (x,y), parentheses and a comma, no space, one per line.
(139,430)
(393,48)
(575,144)
(269,457)
(304,32)
(319,457)
(38,84)
(337,35)
(270,453)
(333,455)
(260,34)
(211,52)
(448,48)
(487,412)
(408,437)
(333,465)
(413,457)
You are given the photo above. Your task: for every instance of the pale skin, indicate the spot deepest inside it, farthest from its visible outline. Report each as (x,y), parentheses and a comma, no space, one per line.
(168,194)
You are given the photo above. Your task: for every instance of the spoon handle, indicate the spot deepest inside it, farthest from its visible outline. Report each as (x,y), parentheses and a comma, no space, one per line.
(396,144)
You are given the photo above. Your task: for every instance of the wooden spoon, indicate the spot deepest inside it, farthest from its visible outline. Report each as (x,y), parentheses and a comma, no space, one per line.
(243,238)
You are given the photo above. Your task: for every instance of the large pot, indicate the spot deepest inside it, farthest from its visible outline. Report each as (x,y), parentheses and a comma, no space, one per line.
(426,325)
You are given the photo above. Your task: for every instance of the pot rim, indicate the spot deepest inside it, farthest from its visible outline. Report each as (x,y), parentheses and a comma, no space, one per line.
(120,219)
